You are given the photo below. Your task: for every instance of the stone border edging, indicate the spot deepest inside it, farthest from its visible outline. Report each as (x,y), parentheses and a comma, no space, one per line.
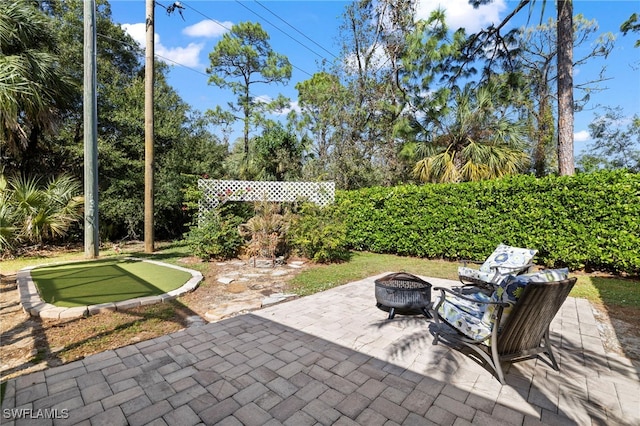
(33,304)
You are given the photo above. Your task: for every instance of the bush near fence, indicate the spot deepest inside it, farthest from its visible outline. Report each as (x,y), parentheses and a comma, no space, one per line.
(586,221)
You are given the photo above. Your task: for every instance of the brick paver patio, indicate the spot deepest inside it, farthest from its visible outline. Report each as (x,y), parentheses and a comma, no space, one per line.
(330,358)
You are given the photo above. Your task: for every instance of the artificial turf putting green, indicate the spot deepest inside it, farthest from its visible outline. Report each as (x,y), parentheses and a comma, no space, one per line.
(104,281)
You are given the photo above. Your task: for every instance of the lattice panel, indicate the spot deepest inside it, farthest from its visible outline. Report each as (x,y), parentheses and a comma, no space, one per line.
(215,191)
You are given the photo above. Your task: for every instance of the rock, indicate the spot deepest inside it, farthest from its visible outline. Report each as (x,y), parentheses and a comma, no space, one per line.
(261,263)
(277,298)
(228,309)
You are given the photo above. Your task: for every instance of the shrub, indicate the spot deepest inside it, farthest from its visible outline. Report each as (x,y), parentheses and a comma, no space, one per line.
(319,234)
(216,236)
(587,221)
(266,231)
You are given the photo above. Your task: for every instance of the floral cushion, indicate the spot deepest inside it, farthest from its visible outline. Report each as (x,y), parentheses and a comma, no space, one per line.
(465,315)
(503,255)
(511,288)
(469,324)
(548,275)
(476,274)
(508,256)
(467,305)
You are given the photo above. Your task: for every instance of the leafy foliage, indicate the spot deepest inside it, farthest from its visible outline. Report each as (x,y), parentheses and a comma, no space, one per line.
(476,140)
(32,213)
(217,235)
(615,146)
(278,154)
(34,88)
(266,231)
(631,25)
(319,234)
(588,221)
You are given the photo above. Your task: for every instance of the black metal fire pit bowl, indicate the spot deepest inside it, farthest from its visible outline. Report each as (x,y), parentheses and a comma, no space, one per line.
(403,292)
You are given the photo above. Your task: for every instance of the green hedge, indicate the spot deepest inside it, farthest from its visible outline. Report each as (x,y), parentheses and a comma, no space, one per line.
(587,221)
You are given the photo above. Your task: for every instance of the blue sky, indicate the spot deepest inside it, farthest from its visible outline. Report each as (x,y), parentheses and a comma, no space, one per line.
(307,32)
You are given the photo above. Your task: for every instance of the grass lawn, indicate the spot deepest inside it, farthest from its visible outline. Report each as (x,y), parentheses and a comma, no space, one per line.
(363,265)
(607,291)
(103,281)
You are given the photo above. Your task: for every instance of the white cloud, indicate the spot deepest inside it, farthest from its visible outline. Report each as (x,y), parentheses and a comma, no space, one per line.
(187,56)
(263,99)
(293,106)
(137,31)
(208,28)
(460,14)
(378,60)
(266,99)
(581,136)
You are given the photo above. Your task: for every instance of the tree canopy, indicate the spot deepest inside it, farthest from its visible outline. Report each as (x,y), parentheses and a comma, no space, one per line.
(242,59)
(405,101)
(34,89)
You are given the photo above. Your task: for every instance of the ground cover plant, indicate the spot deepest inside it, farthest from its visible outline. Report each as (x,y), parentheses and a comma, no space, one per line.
(103,281)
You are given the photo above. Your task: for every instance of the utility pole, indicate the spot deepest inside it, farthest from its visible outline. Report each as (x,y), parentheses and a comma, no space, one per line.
(149,70)
(148,130)
(90,111)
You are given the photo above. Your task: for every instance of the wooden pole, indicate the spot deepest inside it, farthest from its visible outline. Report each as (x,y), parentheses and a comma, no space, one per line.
(148,131)
(90,111)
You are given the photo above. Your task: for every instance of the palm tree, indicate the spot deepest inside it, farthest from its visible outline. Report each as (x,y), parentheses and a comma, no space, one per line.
(32,213)
(474,140)
(7,217)
(32,87)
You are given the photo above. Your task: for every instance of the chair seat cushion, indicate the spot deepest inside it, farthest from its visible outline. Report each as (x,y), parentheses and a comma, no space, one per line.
(466,316)
(469,324)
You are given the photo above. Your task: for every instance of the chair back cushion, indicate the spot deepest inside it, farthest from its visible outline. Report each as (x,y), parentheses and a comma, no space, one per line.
(508,256)
(478,275)
(511,288)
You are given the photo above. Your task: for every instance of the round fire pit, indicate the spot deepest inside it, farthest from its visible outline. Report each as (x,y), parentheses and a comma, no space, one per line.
(405,292)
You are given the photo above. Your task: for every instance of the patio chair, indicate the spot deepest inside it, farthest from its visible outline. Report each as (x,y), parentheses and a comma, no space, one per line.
(505,260)
(512,325)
